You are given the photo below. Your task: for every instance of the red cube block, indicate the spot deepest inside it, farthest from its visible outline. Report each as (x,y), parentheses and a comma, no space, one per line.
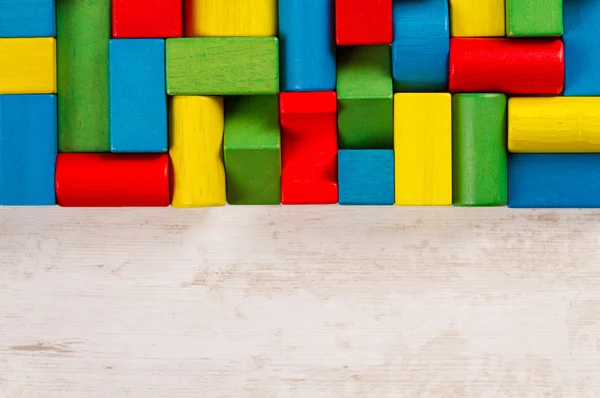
(147,18)
(363,22)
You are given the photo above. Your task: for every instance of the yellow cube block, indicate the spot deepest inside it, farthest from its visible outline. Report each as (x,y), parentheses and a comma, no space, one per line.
(28,66)
(477,18)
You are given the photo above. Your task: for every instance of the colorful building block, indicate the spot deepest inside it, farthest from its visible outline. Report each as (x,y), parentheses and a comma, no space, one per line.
(365,98)
(366,177)
(553,180)
(227,18)
(83,114)
(196,145)
(506,66)
(534,18)
(363,22)
(27,149)
(138,101)
(423,149)
(252,150)
(32,18)
(147,18)
(28,66)
(309,148)
(307,45)
(554,124)
(112,180)
(477,18)
(479,162)
(222,66)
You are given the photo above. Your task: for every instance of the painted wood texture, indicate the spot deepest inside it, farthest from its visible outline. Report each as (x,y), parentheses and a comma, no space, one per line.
(196,145)
(222,66)
(147,18)
(227,18)
(83,104)
(363,22)
(138,102)
(528,66)
(31,18)
(252,150)
(366,177)
(479,160)
(534,17)
(423,149)
(28,66)
(554,124)
(307,47)
(309,148)
(27,149)
(477,18)
(365,98)
(112,180)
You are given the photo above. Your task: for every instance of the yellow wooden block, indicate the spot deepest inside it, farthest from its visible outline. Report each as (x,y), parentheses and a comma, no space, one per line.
(28,66)
(554,124)
(423,149)
(196,147)
(225,18)
(477,18)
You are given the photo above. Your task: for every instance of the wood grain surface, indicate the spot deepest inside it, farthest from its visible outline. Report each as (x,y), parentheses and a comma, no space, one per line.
(322,301)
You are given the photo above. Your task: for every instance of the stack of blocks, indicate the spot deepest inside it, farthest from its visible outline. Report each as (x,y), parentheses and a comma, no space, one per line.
(195,103)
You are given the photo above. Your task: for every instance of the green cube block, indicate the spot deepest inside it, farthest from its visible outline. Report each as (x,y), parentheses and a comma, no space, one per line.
(534,18)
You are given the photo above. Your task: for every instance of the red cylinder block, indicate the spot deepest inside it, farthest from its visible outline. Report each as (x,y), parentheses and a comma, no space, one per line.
(509,66)
(112,180)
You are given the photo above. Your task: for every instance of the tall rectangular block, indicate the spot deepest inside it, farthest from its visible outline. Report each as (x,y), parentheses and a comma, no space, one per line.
(477,18)
(534,17)
(147,18)
(28,66)
(366,176)
(363,22)
(32,18)
(138,101)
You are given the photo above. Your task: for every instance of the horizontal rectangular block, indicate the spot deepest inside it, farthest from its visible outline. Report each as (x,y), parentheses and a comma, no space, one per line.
(147,18)
(477,18)
(31,18)
(534,17)
(28,66)
(363,22)
(222,66)
(366,177)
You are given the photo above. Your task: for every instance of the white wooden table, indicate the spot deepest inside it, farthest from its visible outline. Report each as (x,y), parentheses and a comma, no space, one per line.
(299,302)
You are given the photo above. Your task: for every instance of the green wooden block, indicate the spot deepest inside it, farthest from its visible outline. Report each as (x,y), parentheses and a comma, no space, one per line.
(83,32)
(479,150)
(252,150)
(365,98)
(222,66)
(534,18)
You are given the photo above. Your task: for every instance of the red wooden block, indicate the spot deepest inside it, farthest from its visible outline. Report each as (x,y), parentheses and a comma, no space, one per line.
(309,147)
(112,180)
(147,18)
(363,22)
(509,66)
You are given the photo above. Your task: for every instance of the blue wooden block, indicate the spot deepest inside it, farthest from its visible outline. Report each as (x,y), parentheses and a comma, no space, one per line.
(28,148)
(421,45)
(366,176)
(554,180)
(27,18)
(138,100)
(307,45)
(581,21)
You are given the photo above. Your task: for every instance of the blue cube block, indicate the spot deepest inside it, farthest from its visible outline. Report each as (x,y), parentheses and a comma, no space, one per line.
(366,176)
(27,18)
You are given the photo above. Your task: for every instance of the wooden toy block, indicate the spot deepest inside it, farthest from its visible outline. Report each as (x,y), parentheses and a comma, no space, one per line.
(28,66)
(509,66)
(553,180)
(27,149)
(252,150)
(366,177)
(307,45)
(477,18)
(423,149)
(83,31)
(32,18)
(112,180)
(534,17)
(363,22)
(309,148)
(479,150)
(421,44)
(227,18)
(223,66)
(138,102)
(554,124)
(196,146)
(147,18)
(365,98)
(581,38)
